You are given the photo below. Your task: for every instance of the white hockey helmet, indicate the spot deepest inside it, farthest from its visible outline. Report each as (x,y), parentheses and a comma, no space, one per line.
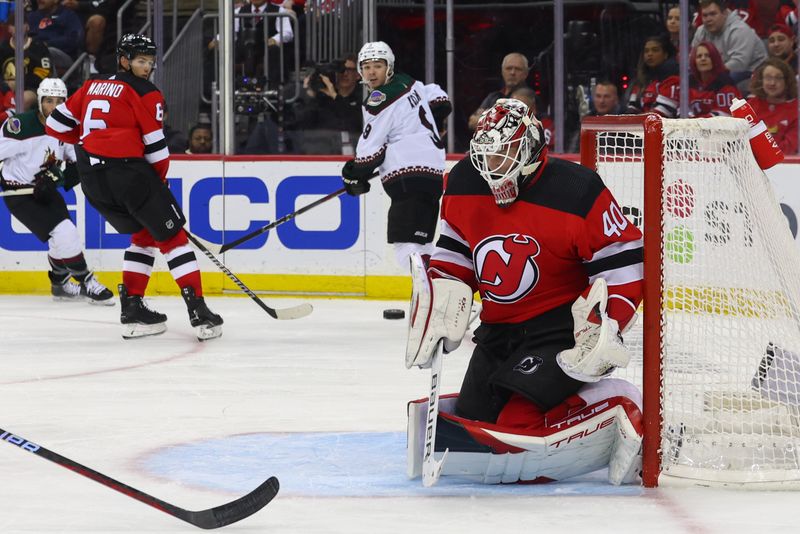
(51,87)
(377,50)
(507,147)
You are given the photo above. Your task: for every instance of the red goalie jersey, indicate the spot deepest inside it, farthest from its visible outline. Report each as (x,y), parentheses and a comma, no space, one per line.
(563,231)
(115,116)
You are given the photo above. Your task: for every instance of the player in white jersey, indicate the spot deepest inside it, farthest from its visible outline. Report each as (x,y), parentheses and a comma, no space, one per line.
(31,158)
(401,141)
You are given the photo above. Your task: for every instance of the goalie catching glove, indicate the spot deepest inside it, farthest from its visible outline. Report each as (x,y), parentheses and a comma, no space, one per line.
(440,309)
(598,344)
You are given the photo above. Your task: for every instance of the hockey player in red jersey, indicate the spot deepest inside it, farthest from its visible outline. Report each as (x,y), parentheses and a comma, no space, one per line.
(115,123)
(559,271)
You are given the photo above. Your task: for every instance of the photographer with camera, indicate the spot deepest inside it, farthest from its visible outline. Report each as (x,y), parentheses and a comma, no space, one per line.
(329,118)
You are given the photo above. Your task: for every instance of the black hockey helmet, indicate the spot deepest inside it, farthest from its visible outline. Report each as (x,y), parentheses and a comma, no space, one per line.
(134,44)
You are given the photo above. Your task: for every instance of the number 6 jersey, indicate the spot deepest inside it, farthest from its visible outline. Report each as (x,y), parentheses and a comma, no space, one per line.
(115,116)
(564,231)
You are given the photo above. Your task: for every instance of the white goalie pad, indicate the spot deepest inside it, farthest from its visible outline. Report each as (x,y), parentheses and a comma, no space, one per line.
(598,346)
(440,309)
(603,434)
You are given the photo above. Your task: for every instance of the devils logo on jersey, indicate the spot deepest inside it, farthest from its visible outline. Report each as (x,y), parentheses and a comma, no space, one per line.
(505,266)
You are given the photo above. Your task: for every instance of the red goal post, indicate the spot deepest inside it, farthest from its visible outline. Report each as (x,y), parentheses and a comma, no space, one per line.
(717,351)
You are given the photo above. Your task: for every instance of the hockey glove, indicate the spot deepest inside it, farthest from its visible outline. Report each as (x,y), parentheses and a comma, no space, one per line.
(45,181)
(71,177)
(598,346)
(356,180)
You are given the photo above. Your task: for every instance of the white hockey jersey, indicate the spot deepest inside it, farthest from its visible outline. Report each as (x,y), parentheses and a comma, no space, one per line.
(400,136)
(25,149)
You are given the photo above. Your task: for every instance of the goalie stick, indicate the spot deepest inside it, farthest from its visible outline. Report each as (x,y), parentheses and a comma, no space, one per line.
(210,518)
(431,469)
(295,312)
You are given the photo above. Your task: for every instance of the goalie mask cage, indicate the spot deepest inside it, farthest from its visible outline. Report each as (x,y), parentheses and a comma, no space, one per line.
(717,349)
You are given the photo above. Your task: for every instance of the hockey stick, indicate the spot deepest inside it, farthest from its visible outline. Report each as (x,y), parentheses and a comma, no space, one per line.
(219,249)
(15,192)
(431,469)
(295,312)
(208,519)
(273,224)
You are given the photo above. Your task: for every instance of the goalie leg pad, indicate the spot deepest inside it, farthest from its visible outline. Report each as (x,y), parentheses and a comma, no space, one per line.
(439,310)
(586,441)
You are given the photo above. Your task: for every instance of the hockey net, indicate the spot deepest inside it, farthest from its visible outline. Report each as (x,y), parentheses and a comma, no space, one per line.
(717,349)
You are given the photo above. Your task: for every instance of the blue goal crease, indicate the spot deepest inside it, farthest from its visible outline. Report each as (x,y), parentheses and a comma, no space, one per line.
(335,464)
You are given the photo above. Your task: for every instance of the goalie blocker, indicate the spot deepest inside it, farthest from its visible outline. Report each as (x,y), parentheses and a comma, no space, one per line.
(600,426)
(440,309)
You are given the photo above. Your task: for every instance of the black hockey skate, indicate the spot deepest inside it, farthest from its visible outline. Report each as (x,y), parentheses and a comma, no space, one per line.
(64,289)
(208,324)
(138,320)
(95,292)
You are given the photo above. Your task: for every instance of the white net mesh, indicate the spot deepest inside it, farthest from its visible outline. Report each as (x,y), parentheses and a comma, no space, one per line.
(730,327)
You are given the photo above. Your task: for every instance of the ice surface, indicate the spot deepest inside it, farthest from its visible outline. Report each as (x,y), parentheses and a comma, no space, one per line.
(320,402)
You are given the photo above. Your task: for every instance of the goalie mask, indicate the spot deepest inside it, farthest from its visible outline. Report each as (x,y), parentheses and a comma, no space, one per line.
(507,148)
(374,51)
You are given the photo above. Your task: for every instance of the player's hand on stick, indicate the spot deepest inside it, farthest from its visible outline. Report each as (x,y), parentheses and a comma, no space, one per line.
(598,346)
(46,181)
(356,181)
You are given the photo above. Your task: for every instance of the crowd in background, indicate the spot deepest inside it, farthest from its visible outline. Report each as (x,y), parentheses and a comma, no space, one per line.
(739,49)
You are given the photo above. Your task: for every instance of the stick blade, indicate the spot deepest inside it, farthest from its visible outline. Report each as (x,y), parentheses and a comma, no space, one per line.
(295,312)
(237,510)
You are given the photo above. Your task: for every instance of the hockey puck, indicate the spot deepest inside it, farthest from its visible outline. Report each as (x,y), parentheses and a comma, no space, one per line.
(394,313)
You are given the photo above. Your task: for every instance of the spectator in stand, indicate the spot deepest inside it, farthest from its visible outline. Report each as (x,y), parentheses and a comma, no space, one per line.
(37,64)
(774,99)
(741,48)
(6,101)
(57,26)
(781,44)
(200,139)
(333,104)
(605,101)
(527,96)
(657,65)
(249,33)
(515,70)
(762,14)
(711,89)
(95,16)
(673,25)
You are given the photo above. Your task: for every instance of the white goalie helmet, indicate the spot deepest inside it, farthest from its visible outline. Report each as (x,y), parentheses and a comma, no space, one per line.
(507,147)
(51,87)
(377,50)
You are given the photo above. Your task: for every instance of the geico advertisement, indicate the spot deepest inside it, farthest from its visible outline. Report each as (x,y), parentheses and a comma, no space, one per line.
(226,200)
(223,201)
